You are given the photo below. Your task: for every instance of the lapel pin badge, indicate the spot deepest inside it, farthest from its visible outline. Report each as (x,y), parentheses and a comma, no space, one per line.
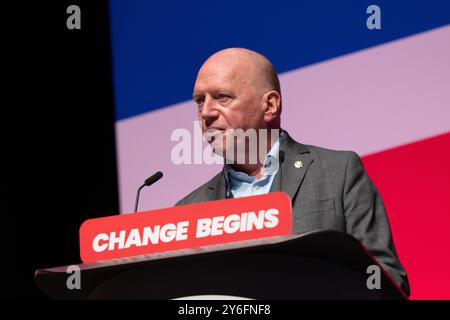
(298,164)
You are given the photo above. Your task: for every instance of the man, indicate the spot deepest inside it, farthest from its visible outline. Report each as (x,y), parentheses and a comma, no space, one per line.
(239,89)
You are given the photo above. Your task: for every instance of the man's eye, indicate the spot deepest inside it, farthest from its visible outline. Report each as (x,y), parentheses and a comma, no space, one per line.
(223,98)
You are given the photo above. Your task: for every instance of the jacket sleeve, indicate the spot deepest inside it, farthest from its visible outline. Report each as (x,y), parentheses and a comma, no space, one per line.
(367,221)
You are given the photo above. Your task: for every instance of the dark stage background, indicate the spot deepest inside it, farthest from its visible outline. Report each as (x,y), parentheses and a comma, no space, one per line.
(61,135)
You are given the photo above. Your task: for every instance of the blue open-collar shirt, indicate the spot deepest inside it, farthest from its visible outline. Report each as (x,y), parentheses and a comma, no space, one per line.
(241,184)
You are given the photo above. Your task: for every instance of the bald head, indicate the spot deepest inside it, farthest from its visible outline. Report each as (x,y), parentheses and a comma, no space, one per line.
(238,89)
(251,67)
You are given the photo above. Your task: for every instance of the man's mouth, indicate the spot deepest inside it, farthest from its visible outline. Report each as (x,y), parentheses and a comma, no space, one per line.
(213,130)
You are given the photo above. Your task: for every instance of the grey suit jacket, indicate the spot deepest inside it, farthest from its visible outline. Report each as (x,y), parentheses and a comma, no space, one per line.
(330,191)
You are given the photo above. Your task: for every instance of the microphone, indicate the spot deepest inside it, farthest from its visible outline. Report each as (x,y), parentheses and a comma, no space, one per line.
(148,182)
(280,168)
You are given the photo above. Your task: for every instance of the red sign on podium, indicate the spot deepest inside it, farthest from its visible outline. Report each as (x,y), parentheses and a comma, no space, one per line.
(188,226)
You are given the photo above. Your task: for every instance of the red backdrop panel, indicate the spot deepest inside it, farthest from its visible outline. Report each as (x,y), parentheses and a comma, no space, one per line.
(414,181)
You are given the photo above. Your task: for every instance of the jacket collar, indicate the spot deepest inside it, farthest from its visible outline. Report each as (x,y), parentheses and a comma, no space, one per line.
(297,159)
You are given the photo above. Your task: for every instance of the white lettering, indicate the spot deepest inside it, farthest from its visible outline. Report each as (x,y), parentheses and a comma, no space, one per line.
(95,244)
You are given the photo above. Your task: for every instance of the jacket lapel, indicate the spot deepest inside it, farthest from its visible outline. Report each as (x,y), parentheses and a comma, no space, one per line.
(216,188)
(297,160)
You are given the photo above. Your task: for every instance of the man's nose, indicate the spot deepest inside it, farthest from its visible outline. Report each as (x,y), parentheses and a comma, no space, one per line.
(209,112)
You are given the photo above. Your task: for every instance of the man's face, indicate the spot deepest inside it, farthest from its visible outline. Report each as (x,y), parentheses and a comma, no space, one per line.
(228,96)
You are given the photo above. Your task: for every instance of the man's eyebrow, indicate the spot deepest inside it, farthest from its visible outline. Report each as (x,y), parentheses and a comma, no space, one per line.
(196,95)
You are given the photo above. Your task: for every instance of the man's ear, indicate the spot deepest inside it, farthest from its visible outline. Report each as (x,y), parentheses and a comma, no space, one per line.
(272,106)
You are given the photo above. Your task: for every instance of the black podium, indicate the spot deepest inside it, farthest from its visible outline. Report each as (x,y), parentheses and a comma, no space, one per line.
(316,265)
